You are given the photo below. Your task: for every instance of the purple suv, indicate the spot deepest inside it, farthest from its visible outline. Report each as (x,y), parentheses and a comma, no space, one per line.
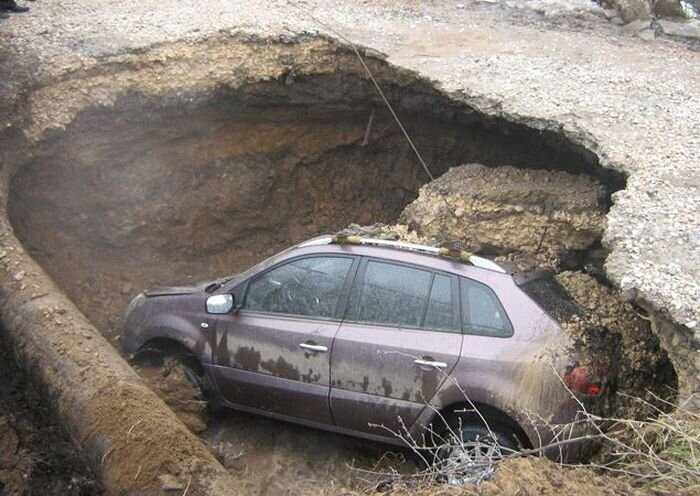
(372,338)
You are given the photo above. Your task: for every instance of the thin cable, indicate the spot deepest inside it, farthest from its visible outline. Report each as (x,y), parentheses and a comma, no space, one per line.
(374,81)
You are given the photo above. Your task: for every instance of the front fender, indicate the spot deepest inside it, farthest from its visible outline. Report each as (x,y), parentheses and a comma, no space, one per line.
(174,328)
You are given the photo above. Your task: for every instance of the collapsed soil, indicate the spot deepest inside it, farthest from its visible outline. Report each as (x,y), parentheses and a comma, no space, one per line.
(612,331)
(525,218)
(36,455)
(168,379)
(178,194)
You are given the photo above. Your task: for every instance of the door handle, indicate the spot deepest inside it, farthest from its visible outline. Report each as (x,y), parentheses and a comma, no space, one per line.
(314,347)
(430,363)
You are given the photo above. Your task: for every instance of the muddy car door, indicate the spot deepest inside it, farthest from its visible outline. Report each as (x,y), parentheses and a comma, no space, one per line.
(274,353)
(400,340)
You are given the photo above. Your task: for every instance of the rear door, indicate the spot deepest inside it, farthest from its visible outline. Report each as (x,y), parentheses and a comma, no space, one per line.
(274,354)
(399,342)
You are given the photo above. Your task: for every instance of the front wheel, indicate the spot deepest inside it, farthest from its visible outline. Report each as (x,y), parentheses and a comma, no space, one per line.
(180,383)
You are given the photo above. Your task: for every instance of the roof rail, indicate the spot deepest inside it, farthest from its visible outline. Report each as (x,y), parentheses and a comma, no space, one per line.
(463,256)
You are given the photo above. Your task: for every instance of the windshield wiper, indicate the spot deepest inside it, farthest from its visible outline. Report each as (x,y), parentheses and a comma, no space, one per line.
(216,285)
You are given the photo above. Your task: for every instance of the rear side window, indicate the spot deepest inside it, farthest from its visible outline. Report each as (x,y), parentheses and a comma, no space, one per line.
(482,313)
(391,294)
(307,287)
(440,313)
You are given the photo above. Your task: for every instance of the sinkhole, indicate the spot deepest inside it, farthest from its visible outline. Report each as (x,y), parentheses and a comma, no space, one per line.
(161,189)
(146,192)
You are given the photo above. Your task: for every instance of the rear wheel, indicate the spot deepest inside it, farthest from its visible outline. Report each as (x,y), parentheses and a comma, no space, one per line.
(178,378)
(469,453)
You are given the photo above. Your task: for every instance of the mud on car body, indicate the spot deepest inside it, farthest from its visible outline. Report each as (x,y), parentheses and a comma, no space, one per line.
(373,338)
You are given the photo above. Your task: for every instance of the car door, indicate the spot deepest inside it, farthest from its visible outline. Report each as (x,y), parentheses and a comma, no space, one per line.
(274,353)
(400,340)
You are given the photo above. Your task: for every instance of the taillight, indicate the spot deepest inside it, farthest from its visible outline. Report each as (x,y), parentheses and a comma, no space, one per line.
(583,379)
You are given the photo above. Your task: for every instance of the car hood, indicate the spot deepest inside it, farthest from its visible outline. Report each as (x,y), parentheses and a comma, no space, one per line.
(176,290)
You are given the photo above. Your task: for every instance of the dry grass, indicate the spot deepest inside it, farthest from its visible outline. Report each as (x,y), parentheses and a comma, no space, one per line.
(662,450)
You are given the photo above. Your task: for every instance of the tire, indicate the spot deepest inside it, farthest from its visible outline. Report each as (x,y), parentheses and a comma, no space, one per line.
(470,452)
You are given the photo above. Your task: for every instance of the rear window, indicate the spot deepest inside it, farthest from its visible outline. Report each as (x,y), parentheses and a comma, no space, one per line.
(551,296)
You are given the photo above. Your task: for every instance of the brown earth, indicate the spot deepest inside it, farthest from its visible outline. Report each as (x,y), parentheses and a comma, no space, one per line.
(534,477)
(167,378)
(37,457)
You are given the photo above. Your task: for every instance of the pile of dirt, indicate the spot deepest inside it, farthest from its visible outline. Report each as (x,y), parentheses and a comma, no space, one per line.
(36,456)
(530,218)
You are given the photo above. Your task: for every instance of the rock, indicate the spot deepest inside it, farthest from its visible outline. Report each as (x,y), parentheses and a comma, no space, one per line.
(170,483)
(617,20)
(632,10)
(635,27)
(689,29)
(19,276)
(536,216)
(646,34)
(668,8)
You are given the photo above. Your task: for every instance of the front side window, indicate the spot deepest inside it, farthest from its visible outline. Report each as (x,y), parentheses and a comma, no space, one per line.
(307,287)
(391,294)
(482,313)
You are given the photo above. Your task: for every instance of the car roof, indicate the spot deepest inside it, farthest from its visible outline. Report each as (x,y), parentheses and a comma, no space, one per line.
(453,255)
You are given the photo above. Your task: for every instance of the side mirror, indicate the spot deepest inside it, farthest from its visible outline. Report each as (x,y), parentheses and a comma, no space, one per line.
(221,303)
